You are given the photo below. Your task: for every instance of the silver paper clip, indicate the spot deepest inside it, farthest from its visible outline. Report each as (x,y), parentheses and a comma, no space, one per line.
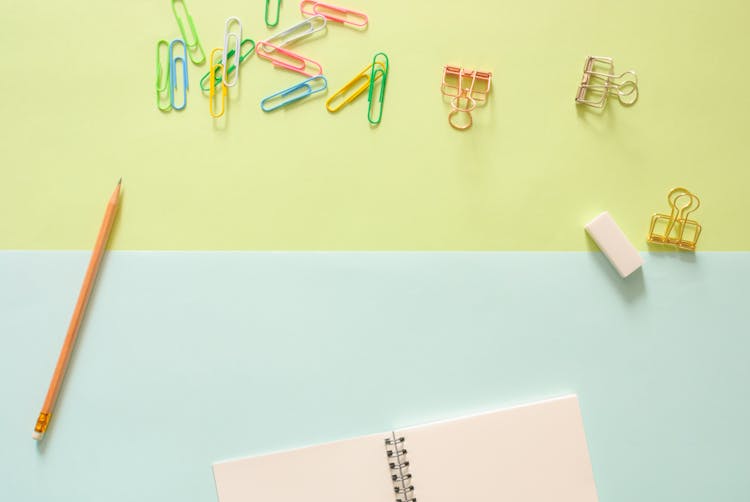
(173,59)
(294,33)
(599,81)
(237,41)
(296,92)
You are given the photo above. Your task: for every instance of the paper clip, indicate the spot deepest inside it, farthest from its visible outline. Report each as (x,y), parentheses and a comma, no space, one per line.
(679,230)
(232,68)
(364,76)
(288,60)
(162,76)
(294,93)
(599,81)
(270,23)
(237,39)
(297,32)
(196,43)
(378,70)
(466,88)
(173,59)
(333,13)
(216,68)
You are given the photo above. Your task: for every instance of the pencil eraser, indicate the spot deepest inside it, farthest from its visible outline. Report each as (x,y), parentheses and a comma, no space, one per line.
(36,436)
(613,243)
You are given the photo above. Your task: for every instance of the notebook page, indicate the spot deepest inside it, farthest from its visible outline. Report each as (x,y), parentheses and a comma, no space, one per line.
(342,471)
(534,453)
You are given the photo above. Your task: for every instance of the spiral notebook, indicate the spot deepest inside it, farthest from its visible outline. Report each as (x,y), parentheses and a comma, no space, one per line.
(533,453)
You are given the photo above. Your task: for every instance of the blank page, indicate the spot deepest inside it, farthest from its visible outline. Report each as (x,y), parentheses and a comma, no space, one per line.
(343,471)
(534,453)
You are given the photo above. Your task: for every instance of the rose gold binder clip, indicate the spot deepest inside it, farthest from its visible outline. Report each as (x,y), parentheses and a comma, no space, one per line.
(599,81)
(466,89)
(676,229)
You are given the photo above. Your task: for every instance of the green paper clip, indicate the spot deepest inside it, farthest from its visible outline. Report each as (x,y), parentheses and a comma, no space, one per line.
(217,76)
(195,45)
(278,13)
(381,70)
(162,76)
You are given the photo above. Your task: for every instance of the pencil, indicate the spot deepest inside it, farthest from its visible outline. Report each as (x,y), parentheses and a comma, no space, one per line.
(75,322)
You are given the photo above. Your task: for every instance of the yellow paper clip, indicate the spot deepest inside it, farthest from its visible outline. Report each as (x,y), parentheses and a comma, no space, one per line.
(216,68)
(364,77)
(676,229)
(599,81)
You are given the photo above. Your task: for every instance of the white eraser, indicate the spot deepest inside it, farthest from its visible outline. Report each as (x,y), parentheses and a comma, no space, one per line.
(36,436)
(613,243)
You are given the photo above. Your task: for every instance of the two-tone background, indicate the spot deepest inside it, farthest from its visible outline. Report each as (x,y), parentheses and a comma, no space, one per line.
(240,312)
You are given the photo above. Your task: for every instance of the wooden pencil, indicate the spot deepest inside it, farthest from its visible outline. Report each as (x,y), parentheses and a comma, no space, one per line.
(75,322)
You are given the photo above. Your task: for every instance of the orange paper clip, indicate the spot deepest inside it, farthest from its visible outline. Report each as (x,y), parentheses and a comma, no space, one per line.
(288,60)
(466,89)
(333,13)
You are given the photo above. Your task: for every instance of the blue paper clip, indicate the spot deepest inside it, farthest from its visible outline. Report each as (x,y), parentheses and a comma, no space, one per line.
(173,73)
(296,92)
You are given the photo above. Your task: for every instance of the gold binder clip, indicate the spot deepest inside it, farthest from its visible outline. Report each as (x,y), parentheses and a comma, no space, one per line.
(676,229)
(466,89)
(599,81)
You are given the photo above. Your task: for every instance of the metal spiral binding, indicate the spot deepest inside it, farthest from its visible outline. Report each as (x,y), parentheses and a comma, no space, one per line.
(399,465)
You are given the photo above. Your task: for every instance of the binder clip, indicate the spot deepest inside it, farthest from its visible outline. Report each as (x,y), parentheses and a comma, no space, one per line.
(676,229)
(599,81)
(466,89)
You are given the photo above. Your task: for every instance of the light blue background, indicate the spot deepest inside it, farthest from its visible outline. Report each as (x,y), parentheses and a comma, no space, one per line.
(186,358)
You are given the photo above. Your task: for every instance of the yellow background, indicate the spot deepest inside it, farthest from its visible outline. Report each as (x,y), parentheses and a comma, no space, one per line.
(78,112)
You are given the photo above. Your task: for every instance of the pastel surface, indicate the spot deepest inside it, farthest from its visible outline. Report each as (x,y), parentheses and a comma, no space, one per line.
(185,359)
(533,169)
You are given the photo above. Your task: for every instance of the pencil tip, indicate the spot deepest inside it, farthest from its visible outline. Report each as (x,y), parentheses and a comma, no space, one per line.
(120,182)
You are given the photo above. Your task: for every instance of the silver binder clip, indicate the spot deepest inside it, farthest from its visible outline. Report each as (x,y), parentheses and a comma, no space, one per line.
(599,81)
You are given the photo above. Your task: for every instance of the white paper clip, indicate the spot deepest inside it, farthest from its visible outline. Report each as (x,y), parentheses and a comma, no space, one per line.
(297,32)
(237,41)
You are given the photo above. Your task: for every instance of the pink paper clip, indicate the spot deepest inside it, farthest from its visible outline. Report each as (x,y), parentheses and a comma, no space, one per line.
(287,59)
(334,14)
